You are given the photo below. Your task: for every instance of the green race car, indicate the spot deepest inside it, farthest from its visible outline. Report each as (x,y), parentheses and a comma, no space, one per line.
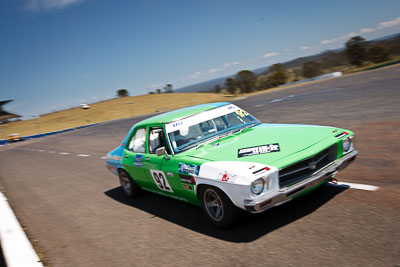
(221,158)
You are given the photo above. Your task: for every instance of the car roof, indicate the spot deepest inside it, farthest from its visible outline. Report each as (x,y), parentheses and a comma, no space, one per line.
(181,113)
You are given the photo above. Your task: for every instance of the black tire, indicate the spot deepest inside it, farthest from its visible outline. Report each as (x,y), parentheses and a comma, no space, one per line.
(130,188)
(217,206)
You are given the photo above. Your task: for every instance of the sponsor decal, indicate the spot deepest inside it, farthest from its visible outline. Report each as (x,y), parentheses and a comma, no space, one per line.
(170,174)
(116,158)
(217,144)
(258,150)
(187,179)
(138,161)
(190,169)
(341,135)
(176,124)
(226,177)
(187,187)
(261,171)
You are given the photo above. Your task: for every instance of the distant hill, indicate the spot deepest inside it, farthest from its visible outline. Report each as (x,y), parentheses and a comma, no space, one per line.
(392,41)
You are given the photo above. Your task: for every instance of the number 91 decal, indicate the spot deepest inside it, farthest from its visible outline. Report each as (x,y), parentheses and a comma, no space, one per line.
(161,181)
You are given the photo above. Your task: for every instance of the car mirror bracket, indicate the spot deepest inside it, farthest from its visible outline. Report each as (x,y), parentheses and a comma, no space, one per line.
(162,151)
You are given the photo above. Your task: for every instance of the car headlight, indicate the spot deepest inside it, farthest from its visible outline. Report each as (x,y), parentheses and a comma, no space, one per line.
(257,186)
(348,144)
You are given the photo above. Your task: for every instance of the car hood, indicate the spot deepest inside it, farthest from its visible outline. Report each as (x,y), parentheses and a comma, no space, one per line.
(291,139)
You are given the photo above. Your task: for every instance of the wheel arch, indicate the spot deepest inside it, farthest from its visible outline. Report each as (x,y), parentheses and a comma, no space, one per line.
(225,188)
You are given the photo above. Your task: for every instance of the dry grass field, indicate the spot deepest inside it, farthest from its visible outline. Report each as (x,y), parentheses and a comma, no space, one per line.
(109,110)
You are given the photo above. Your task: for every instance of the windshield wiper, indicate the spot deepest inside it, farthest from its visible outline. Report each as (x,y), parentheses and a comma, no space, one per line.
(247,127)
(219,137)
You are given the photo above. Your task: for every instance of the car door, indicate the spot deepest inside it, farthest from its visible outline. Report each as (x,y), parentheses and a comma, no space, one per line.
(133,158)
(162,170)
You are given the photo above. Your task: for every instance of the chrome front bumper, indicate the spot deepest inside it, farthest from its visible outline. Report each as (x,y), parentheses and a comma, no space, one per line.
(286,194)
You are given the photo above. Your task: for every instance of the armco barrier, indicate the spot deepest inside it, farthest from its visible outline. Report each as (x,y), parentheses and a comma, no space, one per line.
(384,65)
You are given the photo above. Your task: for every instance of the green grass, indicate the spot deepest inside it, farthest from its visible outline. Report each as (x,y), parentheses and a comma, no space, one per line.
(109,110)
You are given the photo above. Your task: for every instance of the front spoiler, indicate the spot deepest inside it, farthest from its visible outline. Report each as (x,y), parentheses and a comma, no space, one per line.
(286,194)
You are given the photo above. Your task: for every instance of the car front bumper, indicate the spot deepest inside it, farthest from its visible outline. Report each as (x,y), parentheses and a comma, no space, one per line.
(286,194)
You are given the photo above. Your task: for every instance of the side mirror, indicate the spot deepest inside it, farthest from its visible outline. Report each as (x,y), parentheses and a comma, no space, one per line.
(161,151)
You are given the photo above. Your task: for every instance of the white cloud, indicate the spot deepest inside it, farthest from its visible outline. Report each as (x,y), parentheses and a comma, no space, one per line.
(236,63)
(307,47)
(388,24)
(210,71)
(272,54)
(34,5)
(366,30)
(349,35)
(194,75)
(334,40)
(226,65)
(156,86)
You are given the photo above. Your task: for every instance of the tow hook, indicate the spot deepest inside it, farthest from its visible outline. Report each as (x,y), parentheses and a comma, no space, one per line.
(333,180)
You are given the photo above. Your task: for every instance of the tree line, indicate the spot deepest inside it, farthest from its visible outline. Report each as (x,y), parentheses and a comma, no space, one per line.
(357,52)
(166,89)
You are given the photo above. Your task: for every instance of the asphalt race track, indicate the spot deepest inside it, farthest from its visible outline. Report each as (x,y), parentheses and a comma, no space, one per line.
(75,212)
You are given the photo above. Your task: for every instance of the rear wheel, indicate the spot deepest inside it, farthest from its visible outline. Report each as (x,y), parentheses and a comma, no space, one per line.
(130,188)
(217,207)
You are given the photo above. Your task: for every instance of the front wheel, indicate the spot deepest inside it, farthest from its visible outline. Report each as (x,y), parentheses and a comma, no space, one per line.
(217,207)
(130,188)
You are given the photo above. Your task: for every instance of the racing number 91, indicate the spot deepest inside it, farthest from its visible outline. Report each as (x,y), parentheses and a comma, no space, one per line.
(160,180)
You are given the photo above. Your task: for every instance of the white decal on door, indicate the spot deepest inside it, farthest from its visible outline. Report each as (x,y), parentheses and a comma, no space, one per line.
(161,181)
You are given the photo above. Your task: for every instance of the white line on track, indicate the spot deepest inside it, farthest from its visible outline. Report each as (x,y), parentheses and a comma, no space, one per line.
(103,157)
(276,100)
(17,249)
(258,106)
(83,155)
(356,186)
(64,153)
(52,152)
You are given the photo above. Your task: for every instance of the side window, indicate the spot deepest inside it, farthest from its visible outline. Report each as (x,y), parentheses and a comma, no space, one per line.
(137,142)
(157,140)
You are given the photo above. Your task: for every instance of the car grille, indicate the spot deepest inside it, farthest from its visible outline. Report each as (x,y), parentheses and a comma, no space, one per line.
(303,169)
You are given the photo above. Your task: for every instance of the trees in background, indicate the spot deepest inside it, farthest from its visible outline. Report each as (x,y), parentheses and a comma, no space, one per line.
(356,50)
(277,75)
(310,69)
(230,85)
(331,59)
(277,67)
(168,88)
(122,93)
(217,89)
(245,80)
(378,53)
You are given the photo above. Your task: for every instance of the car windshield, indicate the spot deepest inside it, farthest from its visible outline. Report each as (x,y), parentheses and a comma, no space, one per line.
(206,126)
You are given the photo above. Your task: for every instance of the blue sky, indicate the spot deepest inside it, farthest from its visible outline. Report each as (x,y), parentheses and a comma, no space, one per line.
(56,54)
